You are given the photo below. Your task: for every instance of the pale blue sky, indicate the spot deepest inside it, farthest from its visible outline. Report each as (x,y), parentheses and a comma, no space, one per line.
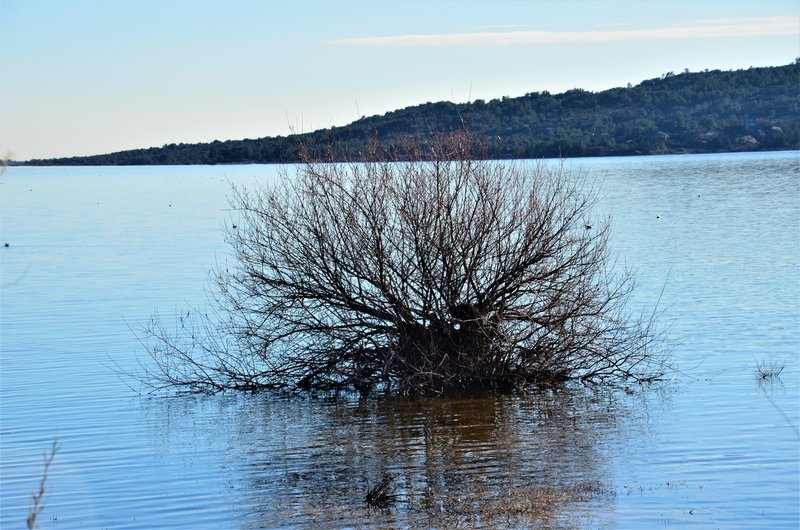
(95,76)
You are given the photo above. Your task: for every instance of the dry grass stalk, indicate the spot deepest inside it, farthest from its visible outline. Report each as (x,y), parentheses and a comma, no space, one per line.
(38,497)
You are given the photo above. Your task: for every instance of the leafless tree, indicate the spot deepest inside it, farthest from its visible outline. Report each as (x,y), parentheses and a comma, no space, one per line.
(431,271)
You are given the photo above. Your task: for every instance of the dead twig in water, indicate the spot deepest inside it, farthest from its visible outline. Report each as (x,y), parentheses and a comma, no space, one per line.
(38,497)
(379,496)
(769,369)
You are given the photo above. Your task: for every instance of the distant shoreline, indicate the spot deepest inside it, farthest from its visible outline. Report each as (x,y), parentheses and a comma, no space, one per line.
(715,111)
(12,163)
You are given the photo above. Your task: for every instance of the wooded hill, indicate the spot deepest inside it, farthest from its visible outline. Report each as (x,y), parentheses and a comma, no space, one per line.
(691,112)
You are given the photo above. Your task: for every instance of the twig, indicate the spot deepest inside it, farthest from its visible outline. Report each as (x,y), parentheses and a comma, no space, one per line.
(38,497)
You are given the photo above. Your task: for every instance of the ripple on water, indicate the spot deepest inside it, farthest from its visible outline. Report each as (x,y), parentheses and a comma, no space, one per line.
(97,249)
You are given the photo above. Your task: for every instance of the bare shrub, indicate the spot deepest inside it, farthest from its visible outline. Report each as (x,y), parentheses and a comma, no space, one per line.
(769,369)
(439,272)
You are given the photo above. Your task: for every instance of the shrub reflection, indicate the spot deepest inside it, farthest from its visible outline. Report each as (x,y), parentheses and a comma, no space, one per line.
(511,461)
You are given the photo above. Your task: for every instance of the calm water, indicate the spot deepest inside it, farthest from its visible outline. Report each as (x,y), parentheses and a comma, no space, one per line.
(94,251)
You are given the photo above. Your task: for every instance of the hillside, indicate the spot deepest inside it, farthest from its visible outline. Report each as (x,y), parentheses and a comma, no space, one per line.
(690,112)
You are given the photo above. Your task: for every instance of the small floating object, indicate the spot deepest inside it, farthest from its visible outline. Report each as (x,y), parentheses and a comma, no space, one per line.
(658,217)
(6,245)
(588,227)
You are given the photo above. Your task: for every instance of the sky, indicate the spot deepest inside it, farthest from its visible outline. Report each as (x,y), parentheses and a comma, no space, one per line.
(81,77)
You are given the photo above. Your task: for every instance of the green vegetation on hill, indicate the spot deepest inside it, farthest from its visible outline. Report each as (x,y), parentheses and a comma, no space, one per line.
(690,112)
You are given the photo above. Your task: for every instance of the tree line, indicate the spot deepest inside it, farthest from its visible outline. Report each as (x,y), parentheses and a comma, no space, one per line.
(690,112)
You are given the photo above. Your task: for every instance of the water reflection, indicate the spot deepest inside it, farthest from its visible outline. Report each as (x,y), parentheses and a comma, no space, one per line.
(513,461)
(722,452)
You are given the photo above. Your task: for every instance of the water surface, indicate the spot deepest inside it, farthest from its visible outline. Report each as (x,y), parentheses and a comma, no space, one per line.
(95,251)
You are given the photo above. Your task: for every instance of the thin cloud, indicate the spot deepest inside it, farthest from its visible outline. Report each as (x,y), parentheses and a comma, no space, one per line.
(737,27)
(502,26)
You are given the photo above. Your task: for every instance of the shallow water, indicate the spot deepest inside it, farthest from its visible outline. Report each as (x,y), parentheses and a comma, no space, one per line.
(95,251)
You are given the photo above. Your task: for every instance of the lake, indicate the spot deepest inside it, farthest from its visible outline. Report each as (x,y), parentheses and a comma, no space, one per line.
(95,251)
